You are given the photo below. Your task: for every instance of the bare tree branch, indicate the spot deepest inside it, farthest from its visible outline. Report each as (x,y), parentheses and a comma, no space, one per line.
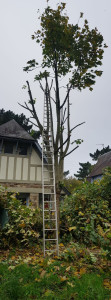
(70,152)
(41,86)
(26,107)
(33,108)
(53,99)
(51,84)
(33,123)
(68,128)
(67,95)
(77,126)
(62,145)
(64,115)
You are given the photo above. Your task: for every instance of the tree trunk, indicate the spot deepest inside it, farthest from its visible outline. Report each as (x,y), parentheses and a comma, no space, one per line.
(58,179)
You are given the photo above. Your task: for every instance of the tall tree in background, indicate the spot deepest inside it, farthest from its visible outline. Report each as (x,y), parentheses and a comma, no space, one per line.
(84,170)
(21,119)
(69,52)
(97,153)
(8,115)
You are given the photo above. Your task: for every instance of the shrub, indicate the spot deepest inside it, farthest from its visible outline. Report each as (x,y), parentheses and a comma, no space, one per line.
(24,224)
(71,184)
(85,216)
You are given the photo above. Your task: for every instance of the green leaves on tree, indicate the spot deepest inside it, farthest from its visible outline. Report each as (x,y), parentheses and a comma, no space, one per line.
(71,48)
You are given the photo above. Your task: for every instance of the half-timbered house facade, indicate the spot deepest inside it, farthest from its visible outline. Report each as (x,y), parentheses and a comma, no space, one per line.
(21,163)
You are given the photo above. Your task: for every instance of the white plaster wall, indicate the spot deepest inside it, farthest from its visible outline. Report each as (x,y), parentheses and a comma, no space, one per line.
(46,175)
(3,167)
(22,168)
(25,169)
(32,173)
(39,174)
(18,168)
(35,159)
(10,168)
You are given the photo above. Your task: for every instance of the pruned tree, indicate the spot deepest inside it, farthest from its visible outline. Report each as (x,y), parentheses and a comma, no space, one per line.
(69,52)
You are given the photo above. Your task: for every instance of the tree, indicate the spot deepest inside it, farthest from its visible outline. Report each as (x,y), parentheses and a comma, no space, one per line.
(66,173)
(97,153)
(85,215)
(71,184)
(84,170)
(68,52)
(21,119)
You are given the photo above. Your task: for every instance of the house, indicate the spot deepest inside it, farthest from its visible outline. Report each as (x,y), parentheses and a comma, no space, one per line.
(21,163)
(97,171)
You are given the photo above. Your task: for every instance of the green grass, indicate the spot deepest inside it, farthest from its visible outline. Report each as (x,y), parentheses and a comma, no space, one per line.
(48,282)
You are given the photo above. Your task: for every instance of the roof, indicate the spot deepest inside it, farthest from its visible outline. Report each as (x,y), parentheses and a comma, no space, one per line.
(103,162)
(12,130)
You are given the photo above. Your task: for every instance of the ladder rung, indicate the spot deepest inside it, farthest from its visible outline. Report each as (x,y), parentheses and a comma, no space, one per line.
(50,250)
(50,229)
(49,193)
(49,219)
(48,201)
(48,185)
(49,151)
(50,210)
(50,239)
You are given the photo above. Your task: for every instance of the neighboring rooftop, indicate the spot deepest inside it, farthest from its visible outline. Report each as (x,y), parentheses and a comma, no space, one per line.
(13,130)
(103,162)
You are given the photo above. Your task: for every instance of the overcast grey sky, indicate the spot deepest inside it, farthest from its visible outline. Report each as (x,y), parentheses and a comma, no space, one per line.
(18,20)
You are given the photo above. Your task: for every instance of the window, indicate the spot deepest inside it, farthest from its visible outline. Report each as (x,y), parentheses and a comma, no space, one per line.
(23,150)
(24,197)
(8,148)
(3,217)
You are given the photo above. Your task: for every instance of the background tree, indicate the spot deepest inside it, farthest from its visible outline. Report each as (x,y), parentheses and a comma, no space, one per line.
(84,170)
(66,173)
(21,119)
(68,50)
(71,184)
(97,153)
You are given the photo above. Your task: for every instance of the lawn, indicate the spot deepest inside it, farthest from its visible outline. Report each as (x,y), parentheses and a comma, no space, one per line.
(78,273)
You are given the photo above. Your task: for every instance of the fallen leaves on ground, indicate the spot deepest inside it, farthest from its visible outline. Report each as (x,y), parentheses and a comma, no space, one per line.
(107,284)
(74,259)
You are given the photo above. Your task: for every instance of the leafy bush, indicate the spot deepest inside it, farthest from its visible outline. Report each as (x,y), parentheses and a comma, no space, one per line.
(71,184)
(85,216)
(24,224)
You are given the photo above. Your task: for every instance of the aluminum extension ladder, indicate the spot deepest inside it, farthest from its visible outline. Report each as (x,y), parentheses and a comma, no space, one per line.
(50,230)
